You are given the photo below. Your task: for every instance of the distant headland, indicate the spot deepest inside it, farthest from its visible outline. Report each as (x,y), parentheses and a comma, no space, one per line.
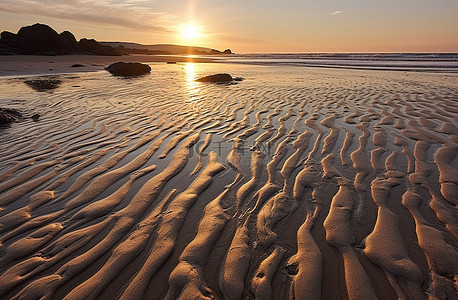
(41,39)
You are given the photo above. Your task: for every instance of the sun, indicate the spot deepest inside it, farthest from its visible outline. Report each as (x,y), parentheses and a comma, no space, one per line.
(190,31)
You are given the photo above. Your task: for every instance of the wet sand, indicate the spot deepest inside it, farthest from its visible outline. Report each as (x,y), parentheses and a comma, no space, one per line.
(296,183)
(18,65)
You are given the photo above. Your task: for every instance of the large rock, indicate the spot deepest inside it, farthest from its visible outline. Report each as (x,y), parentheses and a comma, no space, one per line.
(40,38)
(6,50)
(216,78)
(9,115)
(128,69)
(11,42)
(94,47)
(89,45)
(8,43)
(69,42)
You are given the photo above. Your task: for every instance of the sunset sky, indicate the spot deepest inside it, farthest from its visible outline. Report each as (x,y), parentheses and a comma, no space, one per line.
(251,25)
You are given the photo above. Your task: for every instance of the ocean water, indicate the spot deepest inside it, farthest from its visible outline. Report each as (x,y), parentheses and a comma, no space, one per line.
(432,62)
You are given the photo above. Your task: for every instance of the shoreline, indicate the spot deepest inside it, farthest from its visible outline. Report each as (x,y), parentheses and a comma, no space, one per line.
(37,65)
(29,65)
(417,69)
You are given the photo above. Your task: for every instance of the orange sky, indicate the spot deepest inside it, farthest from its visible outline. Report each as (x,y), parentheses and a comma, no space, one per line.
(252,26)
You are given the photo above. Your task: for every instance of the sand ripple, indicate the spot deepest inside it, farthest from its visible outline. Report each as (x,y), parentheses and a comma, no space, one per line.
(294,184)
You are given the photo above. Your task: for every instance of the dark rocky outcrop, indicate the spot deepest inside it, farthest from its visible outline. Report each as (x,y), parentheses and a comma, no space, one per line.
(128,69)
(9,115)
(216,78)
(77,66)
(93,47)
(39,39)
(227,51)
(69,42)
(89,45)
(6,50)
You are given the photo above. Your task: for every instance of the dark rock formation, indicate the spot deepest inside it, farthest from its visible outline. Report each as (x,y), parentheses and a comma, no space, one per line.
(6,50)
(89,45)
(35,117)
(128,69)
(41,85)
(69,42)
(7,36)
(9,115)
(40,39)
(227,51)
(77,66)
(216,78)
(93,47)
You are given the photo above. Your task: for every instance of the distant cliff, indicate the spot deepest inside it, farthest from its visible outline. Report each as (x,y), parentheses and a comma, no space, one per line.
(134,48)
(40,39)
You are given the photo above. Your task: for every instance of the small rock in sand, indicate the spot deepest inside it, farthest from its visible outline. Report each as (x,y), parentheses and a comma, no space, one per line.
(43,84)
(216,78)
(9,115)
(128,69)
(77,65)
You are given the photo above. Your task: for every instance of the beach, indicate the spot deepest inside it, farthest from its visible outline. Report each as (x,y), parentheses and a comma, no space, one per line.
(296,183)
(20,65)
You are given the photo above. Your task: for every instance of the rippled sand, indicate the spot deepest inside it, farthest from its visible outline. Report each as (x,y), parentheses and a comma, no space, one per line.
(296,183)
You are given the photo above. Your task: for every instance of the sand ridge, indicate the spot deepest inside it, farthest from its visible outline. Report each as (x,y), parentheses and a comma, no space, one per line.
(296,183)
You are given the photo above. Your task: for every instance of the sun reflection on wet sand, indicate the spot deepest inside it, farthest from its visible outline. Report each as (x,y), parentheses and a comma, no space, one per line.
(190,72)
(192,87)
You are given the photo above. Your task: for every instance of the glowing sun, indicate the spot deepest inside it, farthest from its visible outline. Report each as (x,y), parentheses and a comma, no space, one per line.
(190,31)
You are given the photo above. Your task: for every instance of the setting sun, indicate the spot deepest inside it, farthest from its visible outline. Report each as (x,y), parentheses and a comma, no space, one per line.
(190,31)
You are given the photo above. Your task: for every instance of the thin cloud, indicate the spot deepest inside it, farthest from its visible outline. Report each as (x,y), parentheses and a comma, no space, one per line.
(336,12)
(234,38)
(128,14)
